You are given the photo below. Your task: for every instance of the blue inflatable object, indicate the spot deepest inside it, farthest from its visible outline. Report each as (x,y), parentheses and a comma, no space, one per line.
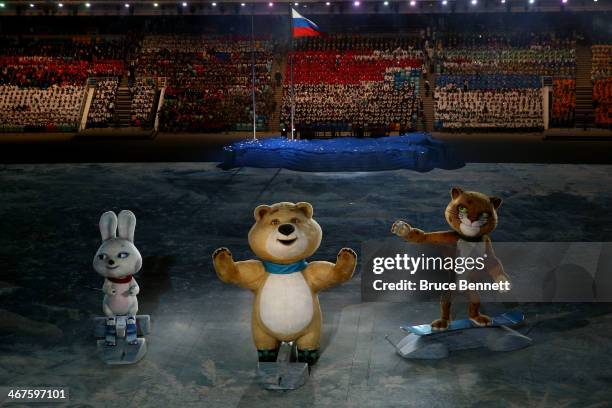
(415,151)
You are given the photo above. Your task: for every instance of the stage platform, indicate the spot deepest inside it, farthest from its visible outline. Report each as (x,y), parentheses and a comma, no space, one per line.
(415,151)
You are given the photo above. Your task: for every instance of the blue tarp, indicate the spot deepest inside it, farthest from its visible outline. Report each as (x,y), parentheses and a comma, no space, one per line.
(415,151)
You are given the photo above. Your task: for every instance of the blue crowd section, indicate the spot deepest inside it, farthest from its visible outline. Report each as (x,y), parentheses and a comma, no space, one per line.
(415,151)
(490,81)
(411,75)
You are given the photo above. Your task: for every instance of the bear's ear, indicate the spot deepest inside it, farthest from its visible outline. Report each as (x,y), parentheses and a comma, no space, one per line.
(306,208)
(261,211)
(496,201)
(455,192)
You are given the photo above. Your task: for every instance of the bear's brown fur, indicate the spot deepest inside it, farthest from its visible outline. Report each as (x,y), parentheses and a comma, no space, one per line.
(286,306)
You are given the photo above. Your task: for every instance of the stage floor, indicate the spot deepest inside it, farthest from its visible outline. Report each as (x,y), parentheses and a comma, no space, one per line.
(200,350)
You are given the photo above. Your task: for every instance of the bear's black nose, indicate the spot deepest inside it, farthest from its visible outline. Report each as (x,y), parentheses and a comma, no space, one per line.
(111,262)
(286,229)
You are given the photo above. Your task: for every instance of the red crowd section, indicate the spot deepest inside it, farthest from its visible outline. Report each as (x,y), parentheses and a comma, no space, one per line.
(602,98)
(346,67)
(34,71)
(564,99)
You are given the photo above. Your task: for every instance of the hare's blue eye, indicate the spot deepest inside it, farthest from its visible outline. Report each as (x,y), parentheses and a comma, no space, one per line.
(123,255)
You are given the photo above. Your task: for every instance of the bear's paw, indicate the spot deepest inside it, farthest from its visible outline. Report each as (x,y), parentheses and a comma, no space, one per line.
(347,255)
(222,253)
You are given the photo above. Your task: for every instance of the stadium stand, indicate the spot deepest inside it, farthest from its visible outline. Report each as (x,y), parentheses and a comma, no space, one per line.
(102,106)
(143,95)
(490,81)
(55,108)
(208,81)
(535,60)
(601,62)
(32,62)
(508,109)
(44,79)
(601,75)
(602,98)
(354,84)
(564,102)
(357,84)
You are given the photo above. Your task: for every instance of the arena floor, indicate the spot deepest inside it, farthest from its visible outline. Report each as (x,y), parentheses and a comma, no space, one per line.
(200,351)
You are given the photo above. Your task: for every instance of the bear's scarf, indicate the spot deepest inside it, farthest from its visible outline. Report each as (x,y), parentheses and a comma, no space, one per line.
(284,269)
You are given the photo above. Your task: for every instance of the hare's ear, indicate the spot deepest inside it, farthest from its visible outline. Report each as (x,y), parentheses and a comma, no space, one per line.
(127,225)
(108,225)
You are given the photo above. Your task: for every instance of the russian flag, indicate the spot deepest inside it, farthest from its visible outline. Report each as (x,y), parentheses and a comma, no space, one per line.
(303,27)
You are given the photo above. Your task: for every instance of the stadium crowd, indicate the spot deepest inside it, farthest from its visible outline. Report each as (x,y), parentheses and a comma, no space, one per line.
(209,80)
(601,74)
(498,76)
(602,97)
(55,108)
(342,82)
(508,109)
(143,94)
(34,62)
(354,83)
(46,78)
(43,72)
(74,48)
(351,42)
(102,105)
(506,53)
(563,102)
(535,60)
(601,61)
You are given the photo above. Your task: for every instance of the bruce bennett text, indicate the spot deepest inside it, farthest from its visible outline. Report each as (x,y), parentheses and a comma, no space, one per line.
(425,285)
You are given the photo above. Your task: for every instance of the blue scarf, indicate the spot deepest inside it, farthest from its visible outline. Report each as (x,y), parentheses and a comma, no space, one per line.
(284,269)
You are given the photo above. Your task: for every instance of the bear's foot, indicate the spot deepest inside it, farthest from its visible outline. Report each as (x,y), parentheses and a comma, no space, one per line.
(267,356)
(309,357)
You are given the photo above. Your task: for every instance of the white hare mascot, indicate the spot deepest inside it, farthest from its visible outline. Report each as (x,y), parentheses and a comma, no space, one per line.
(118,260)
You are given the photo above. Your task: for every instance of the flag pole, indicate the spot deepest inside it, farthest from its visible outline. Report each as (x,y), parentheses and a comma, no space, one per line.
(253,71)
(291,70)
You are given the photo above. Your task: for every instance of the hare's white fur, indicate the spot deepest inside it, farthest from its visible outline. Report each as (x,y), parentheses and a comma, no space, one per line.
(117,257)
